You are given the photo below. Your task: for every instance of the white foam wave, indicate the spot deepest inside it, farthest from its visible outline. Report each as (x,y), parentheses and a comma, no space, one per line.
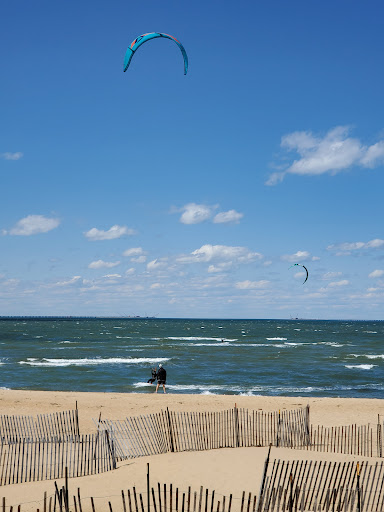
(191,338)
(91,362)
(330,344)
(277,339)
(360,366)
(67,341)
(369,356)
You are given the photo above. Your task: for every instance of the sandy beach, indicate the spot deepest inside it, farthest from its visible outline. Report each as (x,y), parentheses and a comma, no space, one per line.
(223,470)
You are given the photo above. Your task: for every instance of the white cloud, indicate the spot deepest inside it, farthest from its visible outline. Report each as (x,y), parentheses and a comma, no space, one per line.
(376,273)
(374,155)
(298,256)
(195,213)
(33,225)
(334,284)
(134,251)
(220,267)
(75,279)
(231,216)
(137,254)
(333,153)
(347,247)
(11,156)
(251,285)
(330,275)
(112,233)
(155,286)
(130,271)
(103,264)
(156,264)
(112,276)
(208,253)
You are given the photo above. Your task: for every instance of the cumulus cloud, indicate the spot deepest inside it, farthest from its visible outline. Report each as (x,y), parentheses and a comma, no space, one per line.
(333,153)
(103,264)
(298,256)
(75,279)
(156,264)
(137,254)
(251,285)
(348,247)
(330,275)
(220,267)
(335,284)
(33,225)
(195,213)
(229,217)
(11,156)
(208,253)
(134,251)
(376,273)
(112,233)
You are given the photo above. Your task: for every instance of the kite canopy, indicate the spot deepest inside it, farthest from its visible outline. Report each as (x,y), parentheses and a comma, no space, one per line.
(147,37)
(299,265)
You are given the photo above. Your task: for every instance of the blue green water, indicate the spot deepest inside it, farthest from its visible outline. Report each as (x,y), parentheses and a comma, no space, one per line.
(256,357)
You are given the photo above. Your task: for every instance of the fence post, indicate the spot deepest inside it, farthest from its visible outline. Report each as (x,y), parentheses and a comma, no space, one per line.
(278,431)
(307,425)
(261,496)
(148,496)
(290,493)
(358,489)
(237,426)
(66,490)
(77,420)
(170,431)
(379,438)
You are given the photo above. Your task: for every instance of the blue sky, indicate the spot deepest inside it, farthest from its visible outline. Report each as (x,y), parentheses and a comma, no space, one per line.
(154,193)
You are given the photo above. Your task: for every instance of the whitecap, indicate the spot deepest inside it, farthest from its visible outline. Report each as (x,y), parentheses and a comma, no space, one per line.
(89,362)
(277,339)
(360,366)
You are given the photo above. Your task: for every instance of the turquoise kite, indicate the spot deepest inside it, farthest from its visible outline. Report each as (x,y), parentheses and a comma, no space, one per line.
(147,37)
(299,265)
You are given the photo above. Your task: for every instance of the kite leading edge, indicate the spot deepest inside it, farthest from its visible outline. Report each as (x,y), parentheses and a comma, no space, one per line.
(147,37)
(299,265)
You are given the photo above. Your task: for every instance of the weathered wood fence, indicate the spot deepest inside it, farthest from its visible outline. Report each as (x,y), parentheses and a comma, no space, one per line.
(322,486)
(169,431)
(45,427)
(305,486)
(365,440)
(29,461)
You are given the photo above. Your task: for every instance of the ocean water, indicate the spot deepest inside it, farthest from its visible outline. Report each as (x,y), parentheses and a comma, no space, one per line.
(239,357)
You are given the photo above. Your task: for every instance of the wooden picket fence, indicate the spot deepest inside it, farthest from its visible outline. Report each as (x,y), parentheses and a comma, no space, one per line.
(304,486)
(322,486)
(45,427)
(365,440)
(29,461)
(169,431)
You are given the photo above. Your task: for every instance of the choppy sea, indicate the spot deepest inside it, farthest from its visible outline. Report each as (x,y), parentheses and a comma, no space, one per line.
(238,357)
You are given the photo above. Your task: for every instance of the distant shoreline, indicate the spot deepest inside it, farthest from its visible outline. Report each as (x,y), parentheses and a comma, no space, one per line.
(138,317)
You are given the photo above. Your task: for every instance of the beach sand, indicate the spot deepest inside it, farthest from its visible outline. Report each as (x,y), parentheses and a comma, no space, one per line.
(230,470)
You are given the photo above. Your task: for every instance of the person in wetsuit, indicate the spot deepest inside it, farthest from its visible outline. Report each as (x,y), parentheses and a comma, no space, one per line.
(161,377)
